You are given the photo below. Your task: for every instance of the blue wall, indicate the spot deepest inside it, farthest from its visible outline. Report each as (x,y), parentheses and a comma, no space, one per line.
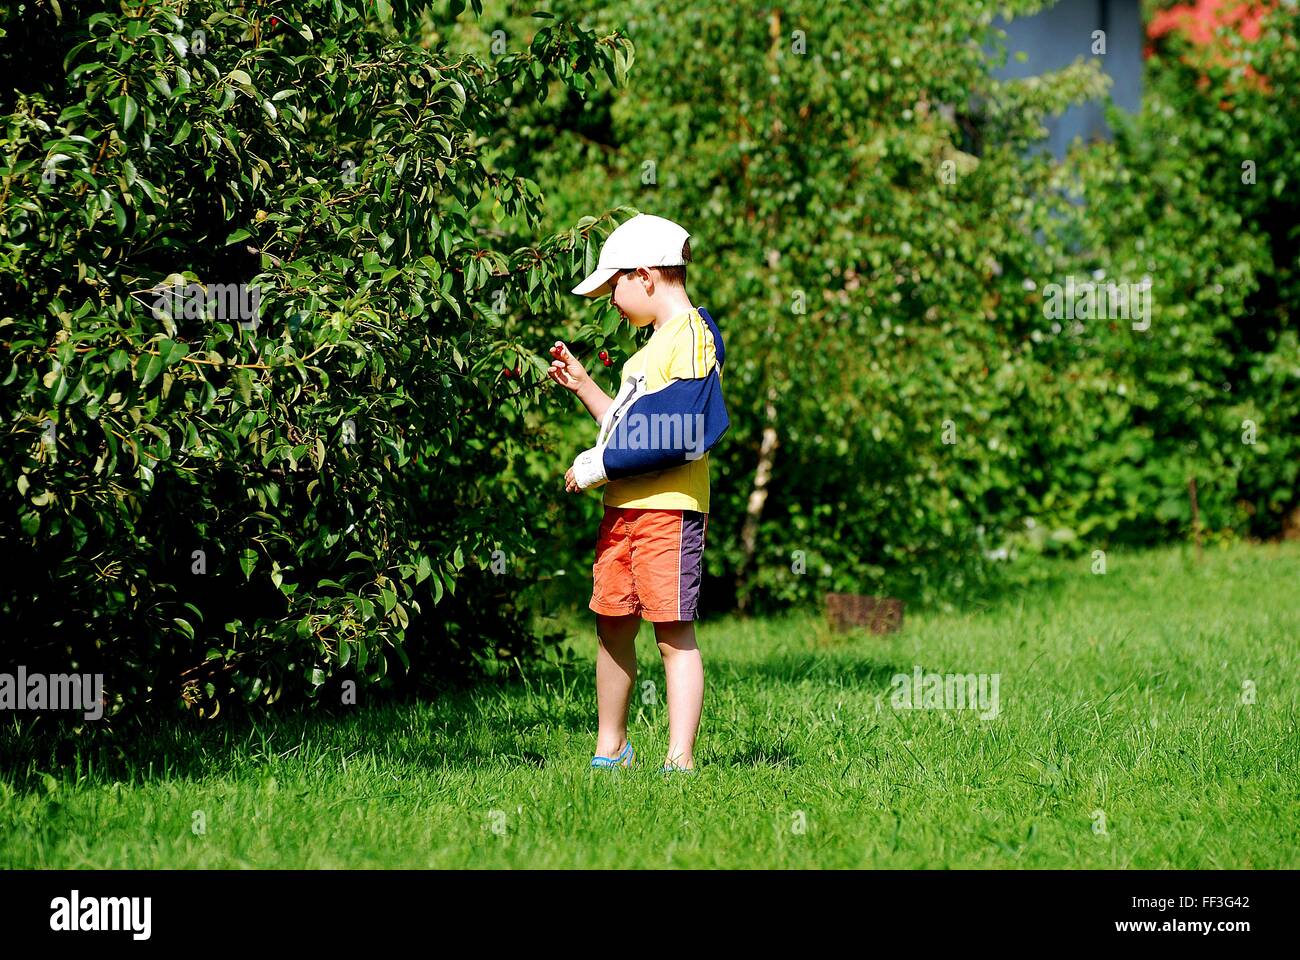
(1057,36)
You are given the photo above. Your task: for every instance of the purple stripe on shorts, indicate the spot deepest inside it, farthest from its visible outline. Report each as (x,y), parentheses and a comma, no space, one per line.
(692,564)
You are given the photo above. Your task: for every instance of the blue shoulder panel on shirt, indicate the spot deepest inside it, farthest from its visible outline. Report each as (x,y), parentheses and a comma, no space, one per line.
(671,426)
(719,350)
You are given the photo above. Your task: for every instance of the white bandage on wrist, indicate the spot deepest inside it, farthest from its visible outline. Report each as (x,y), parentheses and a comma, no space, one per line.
(589,468)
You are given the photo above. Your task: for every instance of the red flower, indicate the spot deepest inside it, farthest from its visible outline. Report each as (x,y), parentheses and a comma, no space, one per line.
(1199,22)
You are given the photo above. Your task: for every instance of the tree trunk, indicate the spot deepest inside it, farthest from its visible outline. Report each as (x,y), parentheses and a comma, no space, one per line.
(757,498)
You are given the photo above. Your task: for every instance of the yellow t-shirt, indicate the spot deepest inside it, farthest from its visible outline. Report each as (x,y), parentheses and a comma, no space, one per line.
(681,349)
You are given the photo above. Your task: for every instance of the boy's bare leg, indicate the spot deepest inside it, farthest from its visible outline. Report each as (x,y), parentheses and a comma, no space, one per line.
(684,671)
(615,675)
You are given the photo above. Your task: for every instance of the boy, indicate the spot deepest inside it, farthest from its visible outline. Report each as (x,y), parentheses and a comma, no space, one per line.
(651,455)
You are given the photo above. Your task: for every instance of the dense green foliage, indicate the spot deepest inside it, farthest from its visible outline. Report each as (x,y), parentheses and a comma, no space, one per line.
(877,234)
(199,502)
(1200,191)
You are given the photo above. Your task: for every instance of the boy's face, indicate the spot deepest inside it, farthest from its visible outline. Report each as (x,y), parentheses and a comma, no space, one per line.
(631,292)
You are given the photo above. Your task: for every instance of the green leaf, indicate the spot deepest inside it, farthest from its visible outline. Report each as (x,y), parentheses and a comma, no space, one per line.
(170,351)
(149,365)
(125,109)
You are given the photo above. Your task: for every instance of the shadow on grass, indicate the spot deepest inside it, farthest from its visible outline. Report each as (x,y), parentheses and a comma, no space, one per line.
(457,728)
(777,756)
(36,752)
(843,664)
(1030,577)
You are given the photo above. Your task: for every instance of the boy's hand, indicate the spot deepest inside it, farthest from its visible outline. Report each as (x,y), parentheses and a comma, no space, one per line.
(570,485)
(566,370)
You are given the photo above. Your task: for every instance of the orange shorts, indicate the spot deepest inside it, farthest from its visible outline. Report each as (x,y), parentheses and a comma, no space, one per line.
(649,562)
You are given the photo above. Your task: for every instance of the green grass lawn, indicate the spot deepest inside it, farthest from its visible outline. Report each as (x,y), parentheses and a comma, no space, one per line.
(1120,697)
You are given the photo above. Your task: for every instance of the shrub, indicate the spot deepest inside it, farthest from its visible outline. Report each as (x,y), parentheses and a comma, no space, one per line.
(211,507)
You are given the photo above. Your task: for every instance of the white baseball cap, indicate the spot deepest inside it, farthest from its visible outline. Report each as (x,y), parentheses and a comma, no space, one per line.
(643,241)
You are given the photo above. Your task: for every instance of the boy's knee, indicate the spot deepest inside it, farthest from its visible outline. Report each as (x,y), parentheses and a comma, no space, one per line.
(617,628)
(675,634)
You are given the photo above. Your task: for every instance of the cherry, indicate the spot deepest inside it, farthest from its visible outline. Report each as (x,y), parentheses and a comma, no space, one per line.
(506,371)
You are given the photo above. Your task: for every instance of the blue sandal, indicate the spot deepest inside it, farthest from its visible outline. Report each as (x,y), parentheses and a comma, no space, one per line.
(625,758)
